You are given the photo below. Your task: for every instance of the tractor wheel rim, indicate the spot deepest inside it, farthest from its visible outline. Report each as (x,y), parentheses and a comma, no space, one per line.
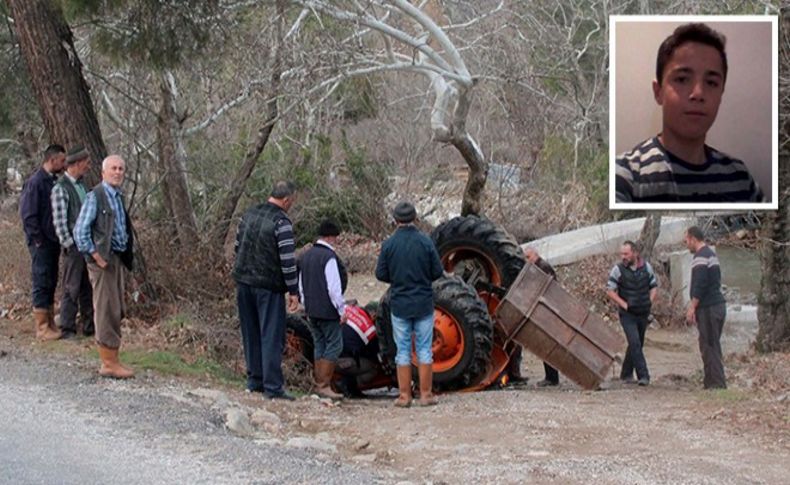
(448,341)
(294,346)
(453,258)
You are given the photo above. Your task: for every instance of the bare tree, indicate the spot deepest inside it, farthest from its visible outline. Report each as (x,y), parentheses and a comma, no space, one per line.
(63,96)
(414,41)
(774,305)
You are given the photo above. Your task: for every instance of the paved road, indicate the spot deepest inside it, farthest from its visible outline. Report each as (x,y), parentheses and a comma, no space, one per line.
(59,423)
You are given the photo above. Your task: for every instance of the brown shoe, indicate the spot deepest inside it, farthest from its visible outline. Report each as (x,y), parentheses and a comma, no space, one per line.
(426,385)
(404,387)
(43,330)
(324,370)
(110,366)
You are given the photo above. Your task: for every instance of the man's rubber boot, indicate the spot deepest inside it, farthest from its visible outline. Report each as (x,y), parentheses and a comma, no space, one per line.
(43,331)
(110,366)
(426,385)
(324,369)
(404,387)
(53,325)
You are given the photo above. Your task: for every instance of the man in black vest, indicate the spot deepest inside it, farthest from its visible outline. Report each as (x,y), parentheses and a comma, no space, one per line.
(68,194)
(35,209)
(103,233)
(264,271)
(322,282)
(633,286)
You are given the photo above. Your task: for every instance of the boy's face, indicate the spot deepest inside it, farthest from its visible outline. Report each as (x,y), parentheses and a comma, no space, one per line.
(690,91)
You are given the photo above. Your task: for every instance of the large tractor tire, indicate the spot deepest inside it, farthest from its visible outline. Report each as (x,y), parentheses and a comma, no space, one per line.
(298,342)
(480,252)
(462,337)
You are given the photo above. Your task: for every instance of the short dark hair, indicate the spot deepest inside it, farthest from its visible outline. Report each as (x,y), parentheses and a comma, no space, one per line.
(631,244)
(53,150)
(283,189)
(328,228)
(694,32)
(696,233)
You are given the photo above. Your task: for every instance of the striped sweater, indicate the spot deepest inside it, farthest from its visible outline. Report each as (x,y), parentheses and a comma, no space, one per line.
(706,278)
(649,173)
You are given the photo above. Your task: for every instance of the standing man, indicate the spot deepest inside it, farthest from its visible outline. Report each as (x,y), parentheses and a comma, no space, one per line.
(103,233)
(707,308)
(409,263)
(633,286)
(552,377)
(322,282)
(35,209)
(265,270)
(68,195)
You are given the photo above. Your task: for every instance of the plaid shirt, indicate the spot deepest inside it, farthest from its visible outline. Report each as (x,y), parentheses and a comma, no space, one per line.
(82,229)
(60,211)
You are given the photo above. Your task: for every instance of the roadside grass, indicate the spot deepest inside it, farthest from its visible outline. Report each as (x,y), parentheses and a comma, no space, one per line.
(725,395)
(170,363)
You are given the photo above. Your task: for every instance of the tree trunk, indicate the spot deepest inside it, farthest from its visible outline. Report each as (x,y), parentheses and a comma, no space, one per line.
(55,69)
(649,235)
(227,207)
(773,311)
(478,173)
(172,161)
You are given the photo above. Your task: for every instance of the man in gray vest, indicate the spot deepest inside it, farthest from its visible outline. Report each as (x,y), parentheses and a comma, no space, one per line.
(633,286)
(264,271)
(322,282)
(68,194)
(103,233)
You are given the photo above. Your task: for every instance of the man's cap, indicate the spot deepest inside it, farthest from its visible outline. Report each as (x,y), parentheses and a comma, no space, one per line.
(76,153)
(404,212)
(328,228)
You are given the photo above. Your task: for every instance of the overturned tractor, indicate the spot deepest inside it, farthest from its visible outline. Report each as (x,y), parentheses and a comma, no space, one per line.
(491,301)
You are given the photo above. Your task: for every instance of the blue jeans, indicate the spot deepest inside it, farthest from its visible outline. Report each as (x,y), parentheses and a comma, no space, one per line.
(44,265)
(262,316)
(327,338)
(422,329)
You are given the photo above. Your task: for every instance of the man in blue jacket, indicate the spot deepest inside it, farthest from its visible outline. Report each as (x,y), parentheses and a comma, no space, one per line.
(35,209)
(409,263)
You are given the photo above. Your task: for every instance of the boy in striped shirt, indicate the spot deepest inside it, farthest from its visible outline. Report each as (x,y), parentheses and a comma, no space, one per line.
(677,165)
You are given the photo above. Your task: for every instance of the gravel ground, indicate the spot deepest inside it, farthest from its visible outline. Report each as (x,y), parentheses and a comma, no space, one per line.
(62,424)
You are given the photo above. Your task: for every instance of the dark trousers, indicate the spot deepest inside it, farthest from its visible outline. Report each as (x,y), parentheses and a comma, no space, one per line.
(634,328)
(710,323)
(514,367)
(551,373)
(44,273)
(77,292)
(262,316)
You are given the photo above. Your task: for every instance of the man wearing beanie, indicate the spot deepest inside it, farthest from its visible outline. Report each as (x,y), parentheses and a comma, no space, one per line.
(409,263)
(322,282)
(68,194)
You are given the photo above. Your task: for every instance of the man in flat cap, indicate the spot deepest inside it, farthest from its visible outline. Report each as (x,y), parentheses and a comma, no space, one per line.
(410,263)
(68,194)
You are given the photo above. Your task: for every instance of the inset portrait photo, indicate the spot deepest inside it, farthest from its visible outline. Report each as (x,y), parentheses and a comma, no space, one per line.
(693,112)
